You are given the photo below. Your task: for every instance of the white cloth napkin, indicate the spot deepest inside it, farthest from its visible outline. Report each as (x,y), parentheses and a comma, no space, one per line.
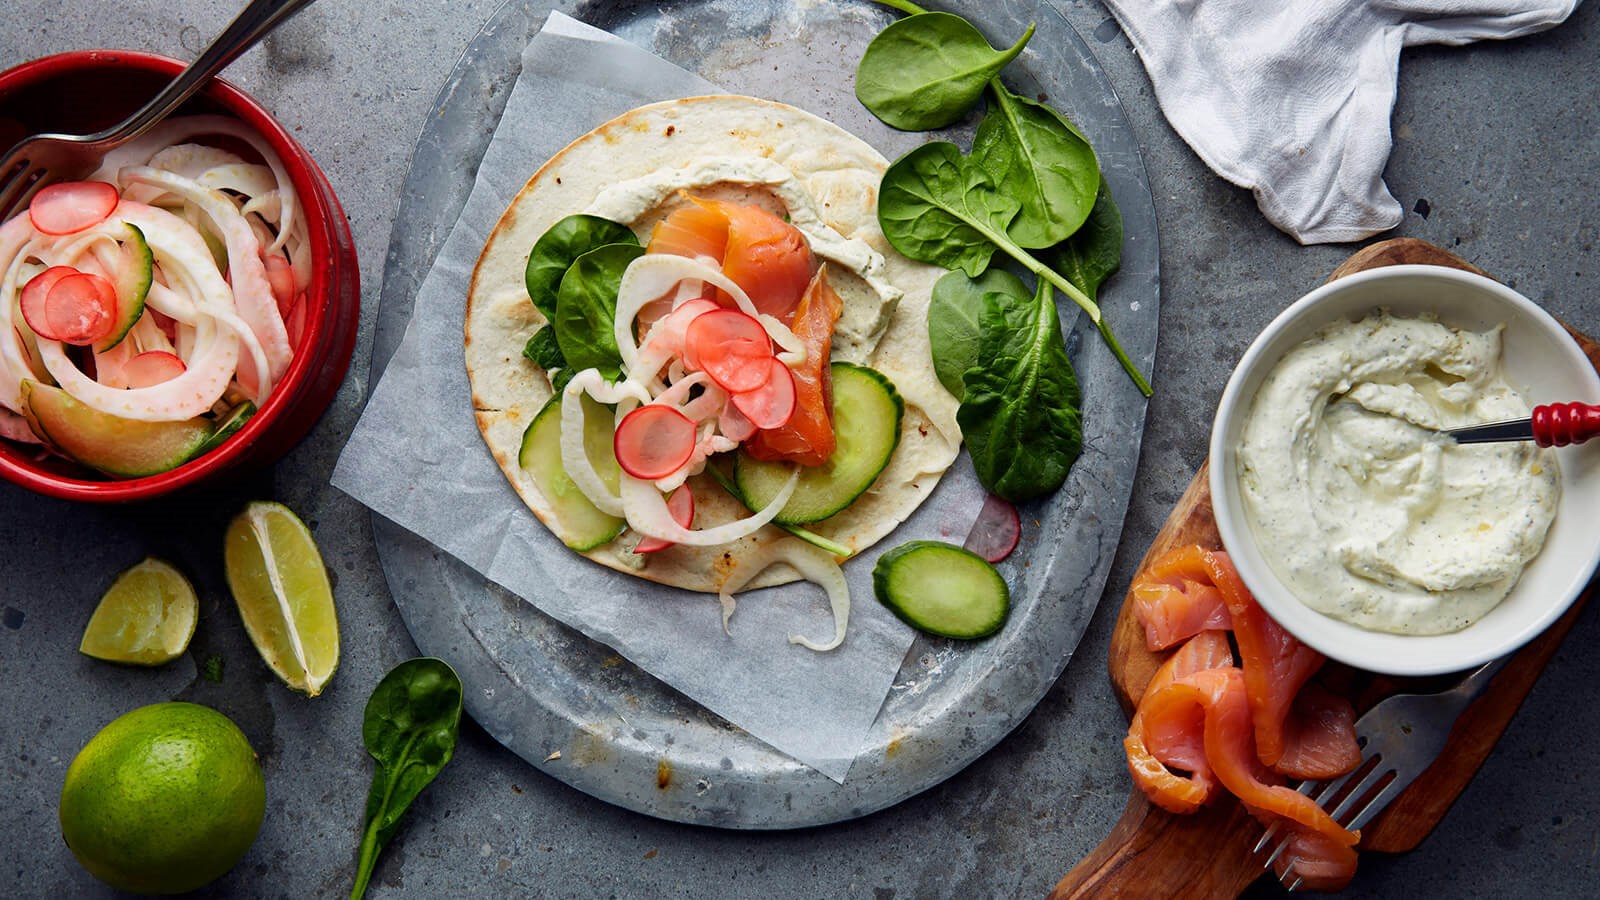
(1292,98)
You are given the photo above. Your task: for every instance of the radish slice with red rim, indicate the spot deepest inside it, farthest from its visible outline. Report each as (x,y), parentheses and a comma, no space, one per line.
(33,295)
(653,441)
(680,503)
(151,368)
(71,206)
(734,424)
(79,309)
(996,532)
(770,405)
(731,347)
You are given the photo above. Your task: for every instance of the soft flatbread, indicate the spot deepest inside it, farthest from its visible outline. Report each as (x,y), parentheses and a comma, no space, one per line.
(840,173)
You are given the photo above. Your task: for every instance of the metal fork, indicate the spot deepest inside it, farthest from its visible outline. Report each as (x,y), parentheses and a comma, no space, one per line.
(44,159)
(1399,739)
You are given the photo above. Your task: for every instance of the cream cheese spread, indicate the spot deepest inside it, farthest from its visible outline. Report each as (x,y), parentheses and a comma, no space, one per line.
(1366,513)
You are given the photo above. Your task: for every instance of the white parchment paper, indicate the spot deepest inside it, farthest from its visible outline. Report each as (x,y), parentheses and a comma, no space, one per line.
(416,457)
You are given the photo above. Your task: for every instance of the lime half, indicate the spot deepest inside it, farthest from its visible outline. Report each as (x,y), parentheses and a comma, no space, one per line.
(279,582)
(145,618)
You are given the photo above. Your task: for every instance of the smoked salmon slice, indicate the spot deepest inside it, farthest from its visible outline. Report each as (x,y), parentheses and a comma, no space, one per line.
(761,253)
(1175,600)
(808,437)
(1165,734)
(1276,667)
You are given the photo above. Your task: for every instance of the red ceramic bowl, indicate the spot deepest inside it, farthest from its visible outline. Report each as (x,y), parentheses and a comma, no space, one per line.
(88,90)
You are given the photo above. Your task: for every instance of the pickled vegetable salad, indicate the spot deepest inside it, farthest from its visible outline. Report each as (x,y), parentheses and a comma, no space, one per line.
(158,301)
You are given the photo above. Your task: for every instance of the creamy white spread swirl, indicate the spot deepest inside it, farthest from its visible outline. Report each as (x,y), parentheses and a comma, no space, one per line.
(1363,511)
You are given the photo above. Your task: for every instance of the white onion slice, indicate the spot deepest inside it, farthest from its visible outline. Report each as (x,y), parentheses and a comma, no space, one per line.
(654,275)
(574,458)
(646,511)
(814,564)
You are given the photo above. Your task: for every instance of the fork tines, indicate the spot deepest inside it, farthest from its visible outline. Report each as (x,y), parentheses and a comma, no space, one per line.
(1357,804)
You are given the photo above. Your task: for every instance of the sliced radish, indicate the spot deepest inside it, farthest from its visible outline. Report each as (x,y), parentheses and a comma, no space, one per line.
(680,503)
(280,278)
(71,206)
(731,347)
(34,293)
(996,532)
(770,405)
(734,424)
(151,368)
(79,309)
(653,441)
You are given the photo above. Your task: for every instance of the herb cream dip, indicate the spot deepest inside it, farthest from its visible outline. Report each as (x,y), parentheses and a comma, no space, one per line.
(1371,519)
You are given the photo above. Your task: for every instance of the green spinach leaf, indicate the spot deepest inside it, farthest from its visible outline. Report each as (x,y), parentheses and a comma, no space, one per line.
(1094,253)
(1036,157)
(1020,415)
(586,309)
(923,208)
(410,728)
(555,251)
(545,352)
(953,320)
(927,70)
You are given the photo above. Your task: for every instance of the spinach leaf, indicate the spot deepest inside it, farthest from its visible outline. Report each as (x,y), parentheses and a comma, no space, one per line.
(927,70)
(1094,253)
(586,309)
(556,250)
(410,728)
(1020,416)
(1035,156)
(923,209)
(545,352)
(935,206)
(953,320)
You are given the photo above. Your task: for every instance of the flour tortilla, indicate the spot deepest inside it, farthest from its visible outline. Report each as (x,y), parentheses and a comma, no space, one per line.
(841,174)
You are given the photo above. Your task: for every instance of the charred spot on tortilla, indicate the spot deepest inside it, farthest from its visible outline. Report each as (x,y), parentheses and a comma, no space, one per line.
(634,170)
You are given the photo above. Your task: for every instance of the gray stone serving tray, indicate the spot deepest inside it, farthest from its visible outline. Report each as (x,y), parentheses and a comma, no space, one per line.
(574,709)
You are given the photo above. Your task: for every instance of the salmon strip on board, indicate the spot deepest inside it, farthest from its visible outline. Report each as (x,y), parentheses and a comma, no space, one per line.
(1164,736)
(1174,599)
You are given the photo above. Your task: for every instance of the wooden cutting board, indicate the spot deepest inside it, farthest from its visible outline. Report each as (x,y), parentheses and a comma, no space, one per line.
(1153,853)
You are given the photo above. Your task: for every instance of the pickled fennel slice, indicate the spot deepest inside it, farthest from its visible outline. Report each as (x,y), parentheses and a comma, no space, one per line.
(814,564)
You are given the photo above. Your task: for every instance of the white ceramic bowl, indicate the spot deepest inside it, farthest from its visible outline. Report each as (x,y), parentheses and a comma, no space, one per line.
(1541,361)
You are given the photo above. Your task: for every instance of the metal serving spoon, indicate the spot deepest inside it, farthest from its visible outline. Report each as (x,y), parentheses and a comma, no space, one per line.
(1551,425)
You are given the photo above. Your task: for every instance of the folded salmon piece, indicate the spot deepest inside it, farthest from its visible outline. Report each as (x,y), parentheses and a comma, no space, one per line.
(1174,599)
(1276,667)
(1167,731)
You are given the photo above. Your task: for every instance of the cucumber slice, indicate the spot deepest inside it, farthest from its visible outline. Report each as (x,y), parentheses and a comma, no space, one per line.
(133,285)
(576,521)
(866,425)
(942,589)
(228,426)
(114,445)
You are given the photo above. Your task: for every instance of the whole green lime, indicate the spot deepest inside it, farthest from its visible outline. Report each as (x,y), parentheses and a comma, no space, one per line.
(163,800)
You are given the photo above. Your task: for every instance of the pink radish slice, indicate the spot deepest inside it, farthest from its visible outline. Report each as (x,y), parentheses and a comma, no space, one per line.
(665,337)
(680,503)
(34,293)
(996,532)
(731,347)
(280,278)
(653,441)
(151,368)
(733,424)
(80,309)
(771,404)
(71,206)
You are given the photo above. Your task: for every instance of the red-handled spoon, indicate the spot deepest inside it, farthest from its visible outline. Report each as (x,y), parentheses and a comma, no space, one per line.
(1551,425)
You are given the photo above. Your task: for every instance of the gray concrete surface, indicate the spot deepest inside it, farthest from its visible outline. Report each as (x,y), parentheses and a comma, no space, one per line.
(1496,157)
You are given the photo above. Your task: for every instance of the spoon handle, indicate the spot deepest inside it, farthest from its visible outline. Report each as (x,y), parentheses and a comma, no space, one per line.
(1560,424)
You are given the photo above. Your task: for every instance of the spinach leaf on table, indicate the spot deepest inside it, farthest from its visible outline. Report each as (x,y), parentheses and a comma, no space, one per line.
(1033,154)
(556,250)
(1020,414)
(927,70)
(586,309)
(410,728)
(953,321)
(1094,252)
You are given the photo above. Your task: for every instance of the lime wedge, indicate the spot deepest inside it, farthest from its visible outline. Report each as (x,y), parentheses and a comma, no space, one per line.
(145,618)
(281,586)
